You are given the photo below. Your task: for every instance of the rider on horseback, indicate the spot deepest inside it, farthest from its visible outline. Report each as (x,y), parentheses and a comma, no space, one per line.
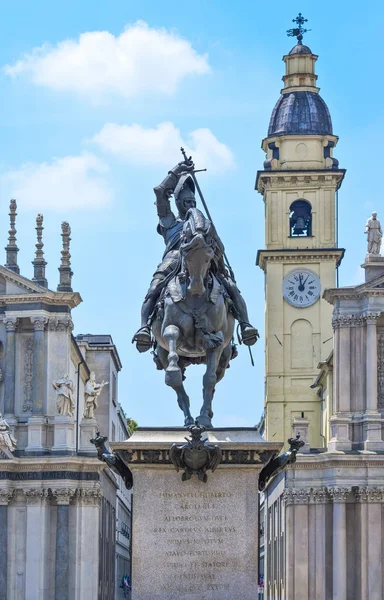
(180,183)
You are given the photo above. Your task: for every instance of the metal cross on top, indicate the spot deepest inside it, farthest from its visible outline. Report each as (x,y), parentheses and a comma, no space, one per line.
(298,31)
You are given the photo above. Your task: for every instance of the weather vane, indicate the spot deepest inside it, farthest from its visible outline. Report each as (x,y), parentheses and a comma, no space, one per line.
(299,30)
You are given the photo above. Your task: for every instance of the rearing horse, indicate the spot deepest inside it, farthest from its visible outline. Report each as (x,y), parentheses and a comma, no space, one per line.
(194,324)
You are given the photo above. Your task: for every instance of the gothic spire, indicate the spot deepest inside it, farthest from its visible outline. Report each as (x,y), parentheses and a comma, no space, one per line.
(11,248)
(65,267)
(39,263)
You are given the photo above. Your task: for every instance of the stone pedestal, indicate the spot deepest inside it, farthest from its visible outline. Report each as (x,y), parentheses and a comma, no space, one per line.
(300,426)
(37,435)
(195,540)
(372,424)
(88,428)
(340,440)
(374,266)
(63,435)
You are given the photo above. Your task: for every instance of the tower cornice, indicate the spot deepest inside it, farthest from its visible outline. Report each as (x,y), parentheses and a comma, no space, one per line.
(300,178)
(299,255)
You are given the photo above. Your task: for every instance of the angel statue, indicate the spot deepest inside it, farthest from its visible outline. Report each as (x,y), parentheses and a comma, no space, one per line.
(92,392)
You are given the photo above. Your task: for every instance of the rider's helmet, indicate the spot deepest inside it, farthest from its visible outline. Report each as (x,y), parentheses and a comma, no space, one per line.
(185,194)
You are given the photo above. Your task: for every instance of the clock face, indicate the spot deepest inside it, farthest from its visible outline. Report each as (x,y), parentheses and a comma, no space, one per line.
(301,287)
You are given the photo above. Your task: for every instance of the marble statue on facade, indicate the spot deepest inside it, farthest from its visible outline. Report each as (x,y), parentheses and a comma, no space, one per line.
(375,234)
(65,395)
(6,437)
(92,392)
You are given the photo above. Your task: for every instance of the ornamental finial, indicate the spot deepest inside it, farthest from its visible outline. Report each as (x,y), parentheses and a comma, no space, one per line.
(11,248)
(65,267)
(299,30)
(39,263)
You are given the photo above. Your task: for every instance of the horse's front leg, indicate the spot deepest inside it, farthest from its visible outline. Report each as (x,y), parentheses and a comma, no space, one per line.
(173,375)
(209,382)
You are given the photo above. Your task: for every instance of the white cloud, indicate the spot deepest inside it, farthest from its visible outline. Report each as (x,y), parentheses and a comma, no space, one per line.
(71,182)
(139,60)
(142,146)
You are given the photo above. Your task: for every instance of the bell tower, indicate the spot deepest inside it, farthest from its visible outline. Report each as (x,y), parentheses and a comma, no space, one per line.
(299,185)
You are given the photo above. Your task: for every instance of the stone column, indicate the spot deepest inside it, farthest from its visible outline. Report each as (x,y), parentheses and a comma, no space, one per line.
(372,362)
(86,569)
(289,545)
(301,545)
(10,365)
(341,418)
(63,498)
(39,365)
(5,498)
(374,549)
(37,550)
(372,418)
(339,529)
(361,498)
(320,498)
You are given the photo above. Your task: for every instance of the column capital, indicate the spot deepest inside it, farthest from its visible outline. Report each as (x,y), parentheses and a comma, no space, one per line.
(339,494)
(369,494)
(320,495)
(296,496)
(60,324)
(63,496)
(37,496)
(39,323)
(371,317)
(10,323)
(89,496)
(352,320)
(6,496)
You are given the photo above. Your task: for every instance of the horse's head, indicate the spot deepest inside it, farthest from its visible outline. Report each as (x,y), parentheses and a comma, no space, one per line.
(197,249)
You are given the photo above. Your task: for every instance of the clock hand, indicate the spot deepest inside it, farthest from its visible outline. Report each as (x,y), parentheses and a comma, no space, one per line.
(304,282)
(301,288)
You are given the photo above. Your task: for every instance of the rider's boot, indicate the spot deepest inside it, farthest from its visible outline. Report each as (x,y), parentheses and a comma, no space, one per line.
(143,336)
(249,334)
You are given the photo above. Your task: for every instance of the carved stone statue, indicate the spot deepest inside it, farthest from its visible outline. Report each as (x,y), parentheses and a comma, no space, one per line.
(65,395)
(6,438)
(92,392)
(375,234)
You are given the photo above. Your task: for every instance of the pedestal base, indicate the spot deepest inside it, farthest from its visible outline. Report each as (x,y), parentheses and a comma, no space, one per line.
(64,435)
(195,540)
(372,427)
(37,435)
(340,440)
(88,428)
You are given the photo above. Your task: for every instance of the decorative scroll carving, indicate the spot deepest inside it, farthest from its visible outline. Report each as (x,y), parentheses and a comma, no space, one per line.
(351,320)
(320,495)
(28,374)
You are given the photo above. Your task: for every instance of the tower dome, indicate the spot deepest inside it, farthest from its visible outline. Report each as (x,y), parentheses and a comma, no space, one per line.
(300,112)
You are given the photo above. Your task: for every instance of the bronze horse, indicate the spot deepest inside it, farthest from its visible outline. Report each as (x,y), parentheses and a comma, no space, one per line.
(194,324)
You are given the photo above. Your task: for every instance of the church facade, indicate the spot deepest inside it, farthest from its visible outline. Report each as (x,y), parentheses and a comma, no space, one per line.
(64,518)
(323,533)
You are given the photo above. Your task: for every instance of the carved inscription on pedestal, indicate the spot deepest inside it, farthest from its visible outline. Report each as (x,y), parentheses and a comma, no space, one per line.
(197,542)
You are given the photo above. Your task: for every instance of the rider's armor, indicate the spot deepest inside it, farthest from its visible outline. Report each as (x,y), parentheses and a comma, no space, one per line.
(171,228)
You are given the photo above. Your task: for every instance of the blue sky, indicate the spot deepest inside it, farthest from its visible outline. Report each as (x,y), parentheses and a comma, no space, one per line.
(90,122)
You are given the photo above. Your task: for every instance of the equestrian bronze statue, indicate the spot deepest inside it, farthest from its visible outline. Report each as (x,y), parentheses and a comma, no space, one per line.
(193,301)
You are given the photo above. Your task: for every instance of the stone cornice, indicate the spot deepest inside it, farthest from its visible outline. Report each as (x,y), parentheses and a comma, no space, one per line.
(333,494)
(298,179)
(40,465)
(297,256)
(355,320)
(372,288)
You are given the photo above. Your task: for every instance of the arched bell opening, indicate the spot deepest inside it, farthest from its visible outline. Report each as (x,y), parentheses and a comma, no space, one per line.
(300,219)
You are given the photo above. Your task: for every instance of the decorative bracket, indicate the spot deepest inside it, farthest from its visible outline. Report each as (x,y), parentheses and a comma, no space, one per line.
(197,456)
(278,464)
(113,461)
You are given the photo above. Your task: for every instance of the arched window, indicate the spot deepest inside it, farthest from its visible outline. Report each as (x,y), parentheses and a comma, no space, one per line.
(300,218)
